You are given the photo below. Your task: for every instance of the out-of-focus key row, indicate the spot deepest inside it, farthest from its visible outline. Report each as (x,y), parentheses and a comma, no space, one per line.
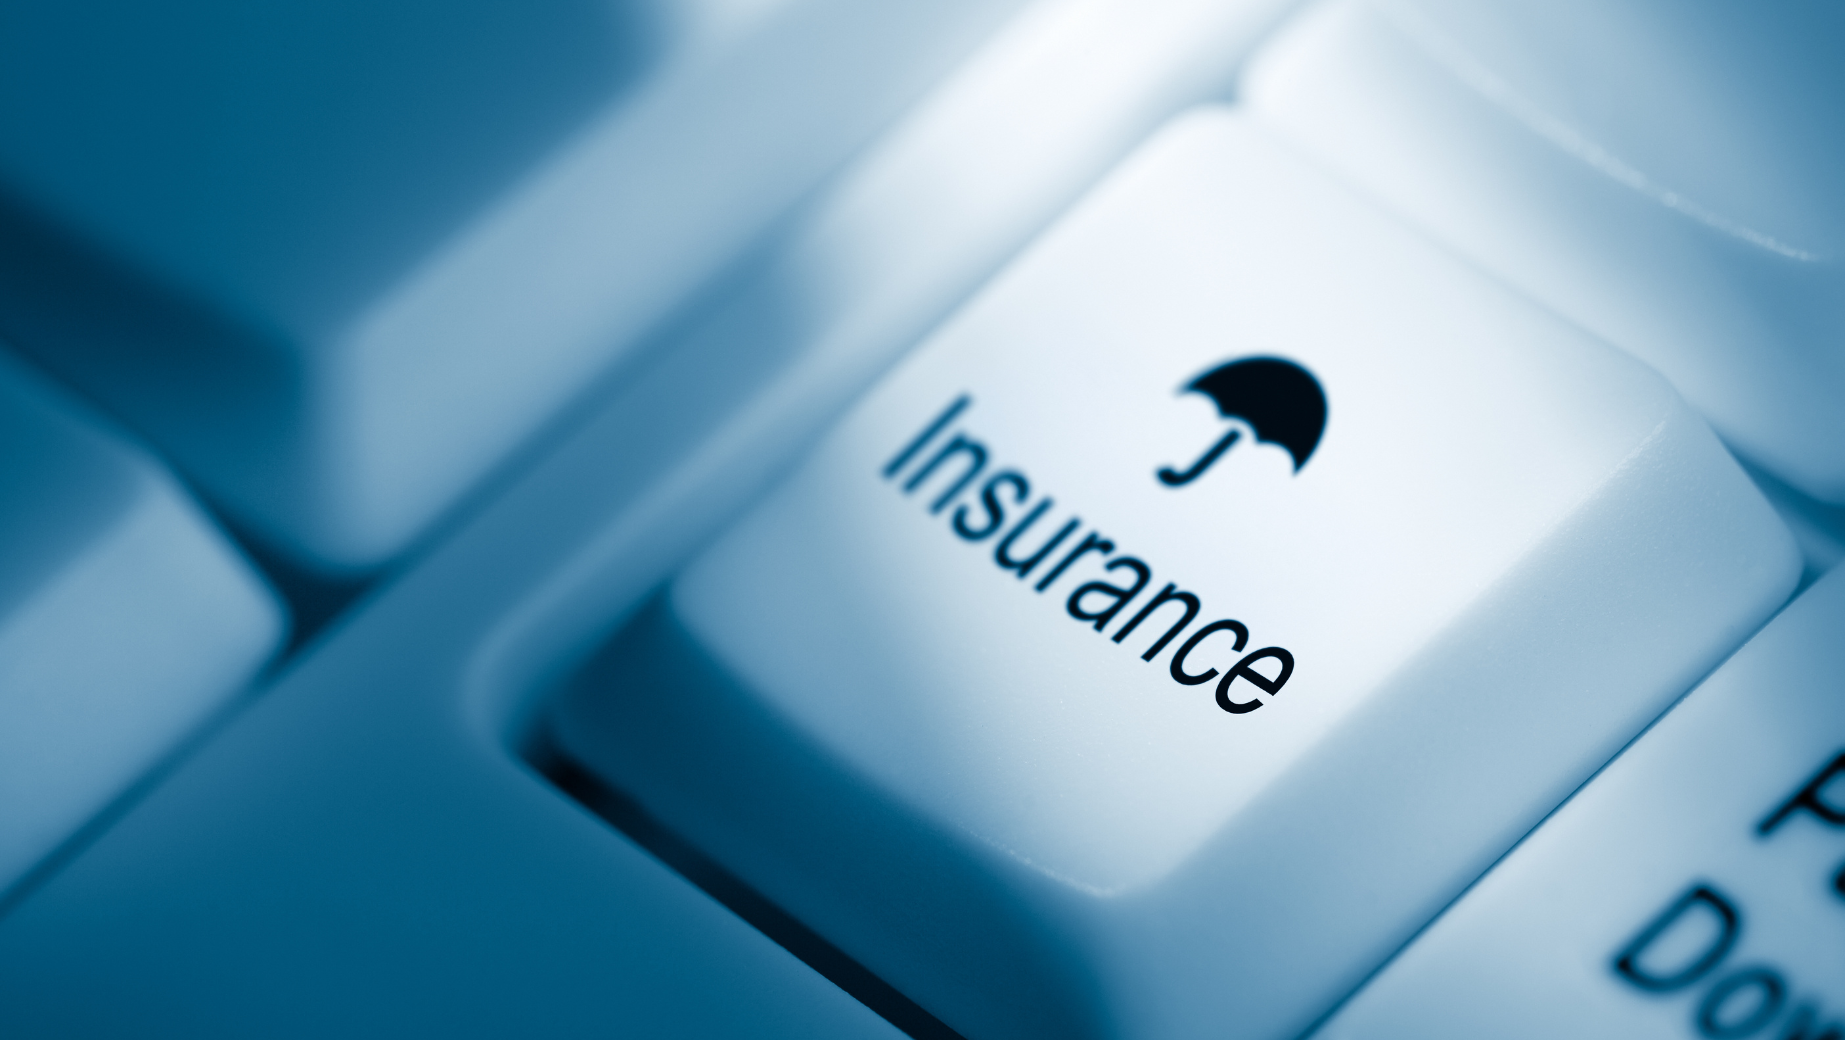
(1695,889)
(338,261)
(126,619)
(1663,174)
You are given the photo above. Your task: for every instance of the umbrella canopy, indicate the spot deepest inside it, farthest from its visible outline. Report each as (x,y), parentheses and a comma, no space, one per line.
(1281,401)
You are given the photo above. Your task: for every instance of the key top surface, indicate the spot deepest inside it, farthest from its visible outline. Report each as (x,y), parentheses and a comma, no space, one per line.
(1663,174)
(945,695)
(125,618)
(339,260)
(1695,888)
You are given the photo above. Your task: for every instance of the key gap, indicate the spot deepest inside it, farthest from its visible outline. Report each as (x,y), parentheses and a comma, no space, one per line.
(627,816)
(315,600)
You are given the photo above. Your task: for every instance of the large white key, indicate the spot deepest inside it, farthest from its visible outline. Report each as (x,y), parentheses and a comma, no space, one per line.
(1694,889)
(1190,618)
(1665,174)
(125,618)
(339,259)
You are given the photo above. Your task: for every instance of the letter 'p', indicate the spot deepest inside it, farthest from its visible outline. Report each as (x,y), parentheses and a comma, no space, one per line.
(1812,799)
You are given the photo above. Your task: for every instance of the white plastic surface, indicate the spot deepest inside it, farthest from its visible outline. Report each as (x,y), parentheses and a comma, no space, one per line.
(1740,792)
(1665,174)
(1511,549)
(340,260)
(125,618)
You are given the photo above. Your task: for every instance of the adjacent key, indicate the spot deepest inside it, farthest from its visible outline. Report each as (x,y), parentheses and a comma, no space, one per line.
(125,618)
(1694,889)
(1190,618)
(1664,174)
(338,260)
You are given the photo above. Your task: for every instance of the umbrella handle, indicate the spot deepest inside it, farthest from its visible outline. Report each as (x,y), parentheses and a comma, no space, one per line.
(1172,478)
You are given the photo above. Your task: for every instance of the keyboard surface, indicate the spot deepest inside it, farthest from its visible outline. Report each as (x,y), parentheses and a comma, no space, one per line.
(650,519)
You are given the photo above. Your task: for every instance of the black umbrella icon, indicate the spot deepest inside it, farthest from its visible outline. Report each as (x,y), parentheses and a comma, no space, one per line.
(1281,401)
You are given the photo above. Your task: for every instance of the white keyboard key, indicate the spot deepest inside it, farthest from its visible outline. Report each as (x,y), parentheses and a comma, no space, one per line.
(1694,889)
(338,260)
(125,619)
(1664,174)
(1072,706)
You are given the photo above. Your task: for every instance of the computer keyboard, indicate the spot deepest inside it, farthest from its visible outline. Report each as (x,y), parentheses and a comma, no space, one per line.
(1071,518)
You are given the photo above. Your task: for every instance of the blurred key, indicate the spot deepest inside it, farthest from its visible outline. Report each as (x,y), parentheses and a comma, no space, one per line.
(1665,174)
(1694,889)
(1190,618)
(125,619)
(339,259)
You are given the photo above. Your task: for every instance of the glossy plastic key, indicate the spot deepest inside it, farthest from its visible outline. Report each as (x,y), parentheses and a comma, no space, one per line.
(1188,619)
